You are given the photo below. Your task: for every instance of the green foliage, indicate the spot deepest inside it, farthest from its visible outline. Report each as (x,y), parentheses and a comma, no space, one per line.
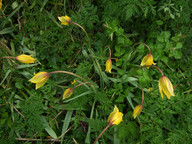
(32,27)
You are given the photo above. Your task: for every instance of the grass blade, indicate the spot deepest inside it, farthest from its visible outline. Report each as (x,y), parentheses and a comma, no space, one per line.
(48,129)
(6,30)
(66,123)
(88,139)
(6,75)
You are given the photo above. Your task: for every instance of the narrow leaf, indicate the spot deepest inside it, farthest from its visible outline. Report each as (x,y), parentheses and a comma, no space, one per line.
(6,75)
(48,129)
(66,123)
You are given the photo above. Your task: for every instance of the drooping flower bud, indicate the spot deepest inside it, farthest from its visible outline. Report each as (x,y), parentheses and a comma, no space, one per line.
(166,87)
(25,59)
(65,20)
(137,110)
(40,79)
(147,60)
(67,93)
(108,65)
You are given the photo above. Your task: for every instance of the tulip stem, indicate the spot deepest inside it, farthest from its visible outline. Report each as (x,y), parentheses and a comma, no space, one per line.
(145,45)
(109,52)
(84,32)
(7,57)
(70,73)
(66,72)
(152,66)
(102,132)
(142,97)
(156,68)
(81,84)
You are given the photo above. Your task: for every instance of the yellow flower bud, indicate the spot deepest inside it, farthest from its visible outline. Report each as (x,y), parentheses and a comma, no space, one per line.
(115,117)
(25,59)
(147,60)
(166,87)
(40,79)
(108,66)
(137,110)
(65,20)
(68,92)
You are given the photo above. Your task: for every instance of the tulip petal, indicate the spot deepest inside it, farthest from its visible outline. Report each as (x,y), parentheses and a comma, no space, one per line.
(170,87)
(68,92)
(137,110)
(147,60)
(115,117)
(40,84)
(118,118)
(40,79)
(160,88)
(0,4)
(41,76)
(65,20)
(166,86)
(112,115)
(25,59)
(108,66)
(144,61)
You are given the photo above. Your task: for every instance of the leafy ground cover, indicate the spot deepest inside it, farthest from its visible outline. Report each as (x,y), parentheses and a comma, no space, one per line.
(50,114)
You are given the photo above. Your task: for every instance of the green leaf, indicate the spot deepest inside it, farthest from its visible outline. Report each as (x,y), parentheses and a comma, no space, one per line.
(6,75)
(66,123)
(88,138)
(48,129)
(17,9)
(26,65)
(129,99)
(6,30)
(159,22)
(179,45)
(116,139)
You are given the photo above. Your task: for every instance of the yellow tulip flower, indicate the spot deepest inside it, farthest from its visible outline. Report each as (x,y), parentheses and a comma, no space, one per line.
(115,117)
(0,4)
(68,92)
(166,87)
(25,59)
(108,65)
(137,110)
(40,79)
(65,20)
(147,60)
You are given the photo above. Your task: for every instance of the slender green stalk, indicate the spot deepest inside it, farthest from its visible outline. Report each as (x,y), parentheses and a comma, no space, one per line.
(151,66)
(142,97)
(84,32)
(7,57)
(70,73)
(102,132)
(145,45)
(109,52)
(81,84)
